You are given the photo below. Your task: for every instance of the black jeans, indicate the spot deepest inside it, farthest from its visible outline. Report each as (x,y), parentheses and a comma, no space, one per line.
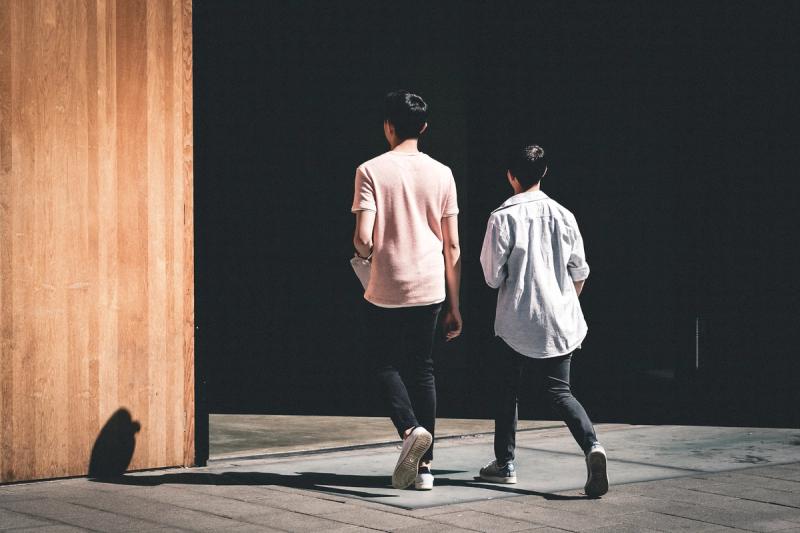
(553,373)
(399,346)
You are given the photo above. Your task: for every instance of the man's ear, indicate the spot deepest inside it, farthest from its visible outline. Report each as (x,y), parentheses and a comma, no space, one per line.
(424,127)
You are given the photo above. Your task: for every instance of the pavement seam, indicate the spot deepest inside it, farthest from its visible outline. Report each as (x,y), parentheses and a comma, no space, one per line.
(160,525)
(61,522)
(54,521)
(699,520)
(322,517)
(774,477)
(433,519)
(787,491)
(307,493)
(749,499)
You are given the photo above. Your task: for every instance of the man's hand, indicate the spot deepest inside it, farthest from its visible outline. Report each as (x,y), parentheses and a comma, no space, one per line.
(452,324)
(579,286)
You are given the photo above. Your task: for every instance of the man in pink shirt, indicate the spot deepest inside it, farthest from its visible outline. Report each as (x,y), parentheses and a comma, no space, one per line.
(407,224)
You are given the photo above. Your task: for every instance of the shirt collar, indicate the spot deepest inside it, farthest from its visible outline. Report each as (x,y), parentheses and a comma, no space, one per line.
(527,196)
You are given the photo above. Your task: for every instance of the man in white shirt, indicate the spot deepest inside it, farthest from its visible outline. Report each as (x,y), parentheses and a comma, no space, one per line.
(533,253)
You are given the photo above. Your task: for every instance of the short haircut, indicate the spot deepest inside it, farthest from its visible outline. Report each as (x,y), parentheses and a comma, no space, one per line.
(527,164)
(407,112)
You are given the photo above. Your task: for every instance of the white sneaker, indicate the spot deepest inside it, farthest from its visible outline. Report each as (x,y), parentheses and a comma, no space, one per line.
(596,471)
(414,447)
(424,479)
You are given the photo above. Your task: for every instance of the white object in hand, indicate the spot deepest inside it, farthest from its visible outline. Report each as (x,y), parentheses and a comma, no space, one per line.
(362,267)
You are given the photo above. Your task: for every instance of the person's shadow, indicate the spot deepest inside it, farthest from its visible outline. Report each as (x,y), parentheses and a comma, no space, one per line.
(114,446)
(344,484)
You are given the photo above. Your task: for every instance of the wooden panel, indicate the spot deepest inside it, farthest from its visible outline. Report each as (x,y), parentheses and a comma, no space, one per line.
(96,294)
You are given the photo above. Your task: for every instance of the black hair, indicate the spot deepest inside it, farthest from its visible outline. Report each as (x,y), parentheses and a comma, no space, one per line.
(527,164)
(407,112)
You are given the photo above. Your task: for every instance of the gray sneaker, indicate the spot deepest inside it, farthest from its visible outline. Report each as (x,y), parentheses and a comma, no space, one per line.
(596,472)
(499,474)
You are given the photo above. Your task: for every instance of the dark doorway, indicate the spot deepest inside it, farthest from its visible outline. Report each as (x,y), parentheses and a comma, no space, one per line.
(672,135)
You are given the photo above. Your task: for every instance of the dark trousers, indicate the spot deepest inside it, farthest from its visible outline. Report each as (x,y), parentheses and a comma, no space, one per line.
(399,347)
(553,375)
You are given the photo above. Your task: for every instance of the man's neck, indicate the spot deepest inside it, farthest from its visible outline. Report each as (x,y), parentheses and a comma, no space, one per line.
(533,188)
(408,146)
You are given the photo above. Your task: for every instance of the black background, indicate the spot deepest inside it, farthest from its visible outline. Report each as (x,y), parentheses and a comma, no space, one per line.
(671,131)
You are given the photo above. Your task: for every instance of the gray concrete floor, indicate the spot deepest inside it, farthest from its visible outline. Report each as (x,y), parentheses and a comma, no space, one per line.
(248,435)
(664,478)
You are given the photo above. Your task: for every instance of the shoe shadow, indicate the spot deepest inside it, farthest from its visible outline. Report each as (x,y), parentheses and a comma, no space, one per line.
(326,482)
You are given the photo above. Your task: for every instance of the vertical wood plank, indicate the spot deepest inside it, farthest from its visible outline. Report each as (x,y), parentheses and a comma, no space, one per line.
(108,331)
(156,223)
(188,234)
(85,286)
(132,245)
(6,242)
(24,140)
(174,347)
(96,294)
(52,230)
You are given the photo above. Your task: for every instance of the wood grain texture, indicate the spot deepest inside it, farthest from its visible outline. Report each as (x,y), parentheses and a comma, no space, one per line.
(96,244)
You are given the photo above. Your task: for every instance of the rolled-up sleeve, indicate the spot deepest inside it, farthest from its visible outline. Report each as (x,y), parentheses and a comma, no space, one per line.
(494,254)
(364,196)
(577,266)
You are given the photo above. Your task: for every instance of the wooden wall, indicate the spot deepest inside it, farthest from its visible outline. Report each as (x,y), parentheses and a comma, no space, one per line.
(96,247)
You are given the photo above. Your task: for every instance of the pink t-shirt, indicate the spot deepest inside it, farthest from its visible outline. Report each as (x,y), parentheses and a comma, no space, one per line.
(410,194)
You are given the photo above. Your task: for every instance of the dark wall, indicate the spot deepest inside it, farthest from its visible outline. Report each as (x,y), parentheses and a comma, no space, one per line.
(671,133)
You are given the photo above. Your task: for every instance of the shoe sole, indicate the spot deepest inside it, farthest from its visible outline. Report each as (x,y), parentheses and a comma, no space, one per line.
(598,475)
(503,480)
(423,487)
(405,472)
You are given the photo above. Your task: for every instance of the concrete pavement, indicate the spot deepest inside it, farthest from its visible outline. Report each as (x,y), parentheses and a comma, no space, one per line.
(664,478)
(250,435)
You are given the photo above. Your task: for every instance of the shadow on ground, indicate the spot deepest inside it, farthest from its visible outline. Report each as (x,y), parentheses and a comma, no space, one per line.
(342,484)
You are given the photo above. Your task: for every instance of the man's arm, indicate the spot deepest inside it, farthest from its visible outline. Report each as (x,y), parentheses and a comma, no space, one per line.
(577,266)
(494,255)
(362,237)
(452,275)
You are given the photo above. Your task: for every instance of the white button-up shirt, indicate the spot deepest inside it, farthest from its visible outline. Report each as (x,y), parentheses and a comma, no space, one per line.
(533,252)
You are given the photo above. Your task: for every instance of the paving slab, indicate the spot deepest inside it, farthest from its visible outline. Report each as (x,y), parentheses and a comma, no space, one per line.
(478,521)
(65,513)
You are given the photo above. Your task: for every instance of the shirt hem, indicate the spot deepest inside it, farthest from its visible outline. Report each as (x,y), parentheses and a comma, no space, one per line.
(544,355)
(397,306)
